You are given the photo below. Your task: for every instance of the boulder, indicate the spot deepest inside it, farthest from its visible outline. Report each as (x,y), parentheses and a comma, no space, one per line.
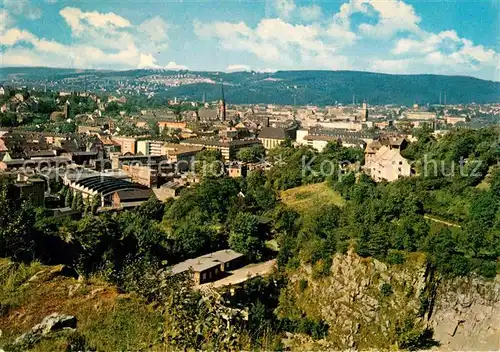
(49,324)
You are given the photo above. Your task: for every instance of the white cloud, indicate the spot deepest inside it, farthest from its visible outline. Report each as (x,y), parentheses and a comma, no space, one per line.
(266,70)
(172,65)
(328,44)
(278,42)
(237,68)
(80,21)
(15,35)
(394,16)
(448,53)
(156,29)
(23,8)
(392,66)
(102,40)
(284,7)
(5,20)
(310,13)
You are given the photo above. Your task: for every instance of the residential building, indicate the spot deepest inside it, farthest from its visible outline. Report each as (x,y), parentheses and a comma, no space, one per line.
(149,147)
(171,125)
(32,164)
(318,138)
(386,164)
(237,170)
(89,129)
(168,190)
(143,175)
(453,120)
(210,267)
(420,115)
(179,152)
(227,148)
(32,190)
(127,144)
(117,161)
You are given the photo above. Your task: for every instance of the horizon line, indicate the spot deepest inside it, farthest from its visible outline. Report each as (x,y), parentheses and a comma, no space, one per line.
(242,71)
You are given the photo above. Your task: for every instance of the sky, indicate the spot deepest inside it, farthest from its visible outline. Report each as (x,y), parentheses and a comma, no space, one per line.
(459,37)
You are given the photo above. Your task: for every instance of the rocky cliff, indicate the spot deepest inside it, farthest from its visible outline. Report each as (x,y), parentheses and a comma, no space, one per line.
(466,314)
(369,304)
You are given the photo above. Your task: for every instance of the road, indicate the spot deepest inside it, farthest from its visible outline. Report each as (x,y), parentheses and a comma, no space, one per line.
(243,274)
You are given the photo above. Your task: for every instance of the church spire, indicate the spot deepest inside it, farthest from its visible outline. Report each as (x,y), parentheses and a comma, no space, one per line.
(222,104)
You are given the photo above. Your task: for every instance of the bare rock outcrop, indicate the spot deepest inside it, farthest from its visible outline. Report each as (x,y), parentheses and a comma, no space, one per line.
(369,304)
(466,315)
(51,323)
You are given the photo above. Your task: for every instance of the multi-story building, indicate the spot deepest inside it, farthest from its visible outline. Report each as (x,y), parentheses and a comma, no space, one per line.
(271,137)
(179,152)
(228,149)
(318,138)
(453,120)
(127,144)
(143,175)
(171,125)
(386,164)
(149,147)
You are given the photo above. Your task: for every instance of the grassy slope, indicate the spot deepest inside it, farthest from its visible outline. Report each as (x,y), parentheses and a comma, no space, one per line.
(307,197)
(109,321)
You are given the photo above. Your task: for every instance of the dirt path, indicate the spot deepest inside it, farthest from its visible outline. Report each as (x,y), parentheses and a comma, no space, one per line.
(441,221)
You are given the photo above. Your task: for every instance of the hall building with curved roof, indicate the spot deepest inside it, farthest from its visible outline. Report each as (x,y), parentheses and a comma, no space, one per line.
(113,192)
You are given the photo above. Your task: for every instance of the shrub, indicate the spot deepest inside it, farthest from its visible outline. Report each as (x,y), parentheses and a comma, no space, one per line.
(395,257)
(486,268)
(386,289)
(322,268)
(302,285)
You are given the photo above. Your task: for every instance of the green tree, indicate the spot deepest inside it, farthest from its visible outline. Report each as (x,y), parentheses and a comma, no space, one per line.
(209,163)
(252,154)
(152,209)
(17,219)
(244,236)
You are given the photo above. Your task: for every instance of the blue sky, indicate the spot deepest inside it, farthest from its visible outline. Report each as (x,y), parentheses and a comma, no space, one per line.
(392,36)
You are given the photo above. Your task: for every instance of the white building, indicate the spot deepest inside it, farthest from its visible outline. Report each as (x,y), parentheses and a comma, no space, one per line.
(150,147)
(319,139)
(386,164)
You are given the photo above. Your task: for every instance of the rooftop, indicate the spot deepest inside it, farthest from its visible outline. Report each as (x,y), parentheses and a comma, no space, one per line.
(219,143)
(206,261)
(134,194)
(273,133)
(106,184)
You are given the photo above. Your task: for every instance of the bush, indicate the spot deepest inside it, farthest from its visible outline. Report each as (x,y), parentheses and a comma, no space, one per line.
(322,268)
(395,257)
(386,289)
(302,285)
(487,268)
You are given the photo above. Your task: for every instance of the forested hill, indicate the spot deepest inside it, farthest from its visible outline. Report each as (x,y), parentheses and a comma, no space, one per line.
(282,87)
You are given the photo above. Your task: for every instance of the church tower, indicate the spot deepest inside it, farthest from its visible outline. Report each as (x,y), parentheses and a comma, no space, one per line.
(364,112)
(222,105)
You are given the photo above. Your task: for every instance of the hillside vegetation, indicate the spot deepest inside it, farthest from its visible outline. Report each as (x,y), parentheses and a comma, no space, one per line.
(106,318)
(379,232)
(289,87)
(308,197)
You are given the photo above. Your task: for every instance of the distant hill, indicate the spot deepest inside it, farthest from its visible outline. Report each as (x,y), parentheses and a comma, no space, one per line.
(282,87)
